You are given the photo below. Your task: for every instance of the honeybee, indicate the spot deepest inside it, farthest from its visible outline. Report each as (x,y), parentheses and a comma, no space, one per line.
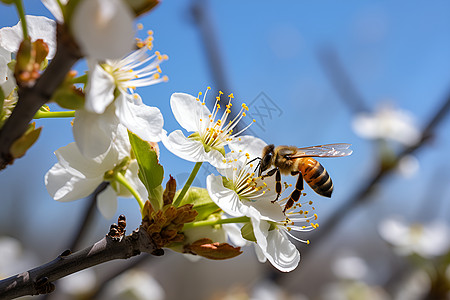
(290,160)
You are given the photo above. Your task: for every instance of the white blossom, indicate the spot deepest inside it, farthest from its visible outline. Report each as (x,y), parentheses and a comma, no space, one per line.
(425,239)
(210,133)
(387,123)
(76,176)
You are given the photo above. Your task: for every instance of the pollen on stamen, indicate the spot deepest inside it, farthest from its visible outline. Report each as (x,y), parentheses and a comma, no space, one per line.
(140,26)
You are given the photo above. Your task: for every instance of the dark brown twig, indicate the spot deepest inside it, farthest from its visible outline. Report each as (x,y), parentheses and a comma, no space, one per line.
(32,98)
(39,280)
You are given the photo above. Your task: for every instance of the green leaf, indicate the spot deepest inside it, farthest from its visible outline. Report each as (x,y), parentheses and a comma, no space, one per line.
(247,232)
(22,144)
(151,173)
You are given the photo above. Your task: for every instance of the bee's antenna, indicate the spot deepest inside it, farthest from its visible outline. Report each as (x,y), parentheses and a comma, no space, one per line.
(257,166)
(254,160)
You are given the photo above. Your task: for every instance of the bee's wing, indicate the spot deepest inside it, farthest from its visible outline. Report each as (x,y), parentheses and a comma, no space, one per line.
(329,150)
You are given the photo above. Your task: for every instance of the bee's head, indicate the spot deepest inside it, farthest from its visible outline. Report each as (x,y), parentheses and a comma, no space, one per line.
(266,160)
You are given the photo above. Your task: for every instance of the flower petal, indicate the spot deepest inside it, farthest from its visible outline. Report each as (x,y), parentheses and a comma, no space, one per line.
(225,198)
(99,89)
(248,144)
(260,228)
(71,159)
(64,186)
(281,253)
(144,121)
(93,133)
(38,28)
(190,149)
(188,111)
(55,9)
(103,28)
(107,202)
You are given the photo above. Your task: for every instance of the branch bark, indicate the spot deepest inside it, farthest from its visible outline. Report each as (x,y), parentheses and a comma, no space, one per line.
(39,280)
(32,98)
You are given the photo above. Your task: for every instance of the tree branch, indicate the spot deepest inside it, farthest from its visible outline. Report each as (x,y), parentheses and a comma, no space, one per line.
(32,98)
(114,246)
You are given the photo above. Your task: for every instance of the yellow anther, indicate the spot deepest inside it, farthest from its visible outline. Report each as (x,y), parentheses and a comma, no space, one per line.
(254,120)
(220,92)
(315,216)
(228,111)
(165,78)
(158,68)
(140,26)
(150,32)
(208,88)
(231,96)
(307,242)
(156,76)
(243,114)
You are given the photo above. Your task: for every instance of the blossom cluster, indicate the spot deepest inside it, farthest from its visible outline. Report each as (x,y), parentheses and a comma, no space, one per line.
(110,120)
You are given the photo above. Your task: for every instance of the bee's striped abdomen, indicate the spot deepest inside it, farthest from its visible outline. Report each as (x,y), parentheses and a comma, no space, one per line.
(316,176)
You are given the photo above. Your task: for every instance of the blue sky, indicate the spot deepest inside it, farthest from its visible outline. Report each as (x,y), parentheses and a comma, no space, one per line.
(396,51)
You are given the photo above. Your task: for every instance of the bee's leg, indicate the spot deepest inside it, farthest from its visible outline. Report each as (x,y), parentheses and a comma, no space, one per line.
(277,173)
(295,195)
(277,184)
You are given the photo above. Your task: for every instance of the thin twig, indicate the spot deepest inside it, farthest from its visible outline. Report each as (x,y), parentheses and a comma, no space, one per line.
(88,215)
(39,280)
(340,80)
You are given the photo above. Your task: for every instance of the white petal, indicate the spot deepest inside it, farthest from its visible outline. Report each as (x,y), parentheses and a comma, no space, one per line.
(55,9)
(121,141)
(103,28)
(260,227)
(268,210)
(107,202)
(188,111)
(99,89)
(71,159)
(225,198)
(64,186)
(248,144)
(38,28)
(190,149)
(144,121)
(260,254)
(3,69)
(234,234)
(281,253)
(93,132)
